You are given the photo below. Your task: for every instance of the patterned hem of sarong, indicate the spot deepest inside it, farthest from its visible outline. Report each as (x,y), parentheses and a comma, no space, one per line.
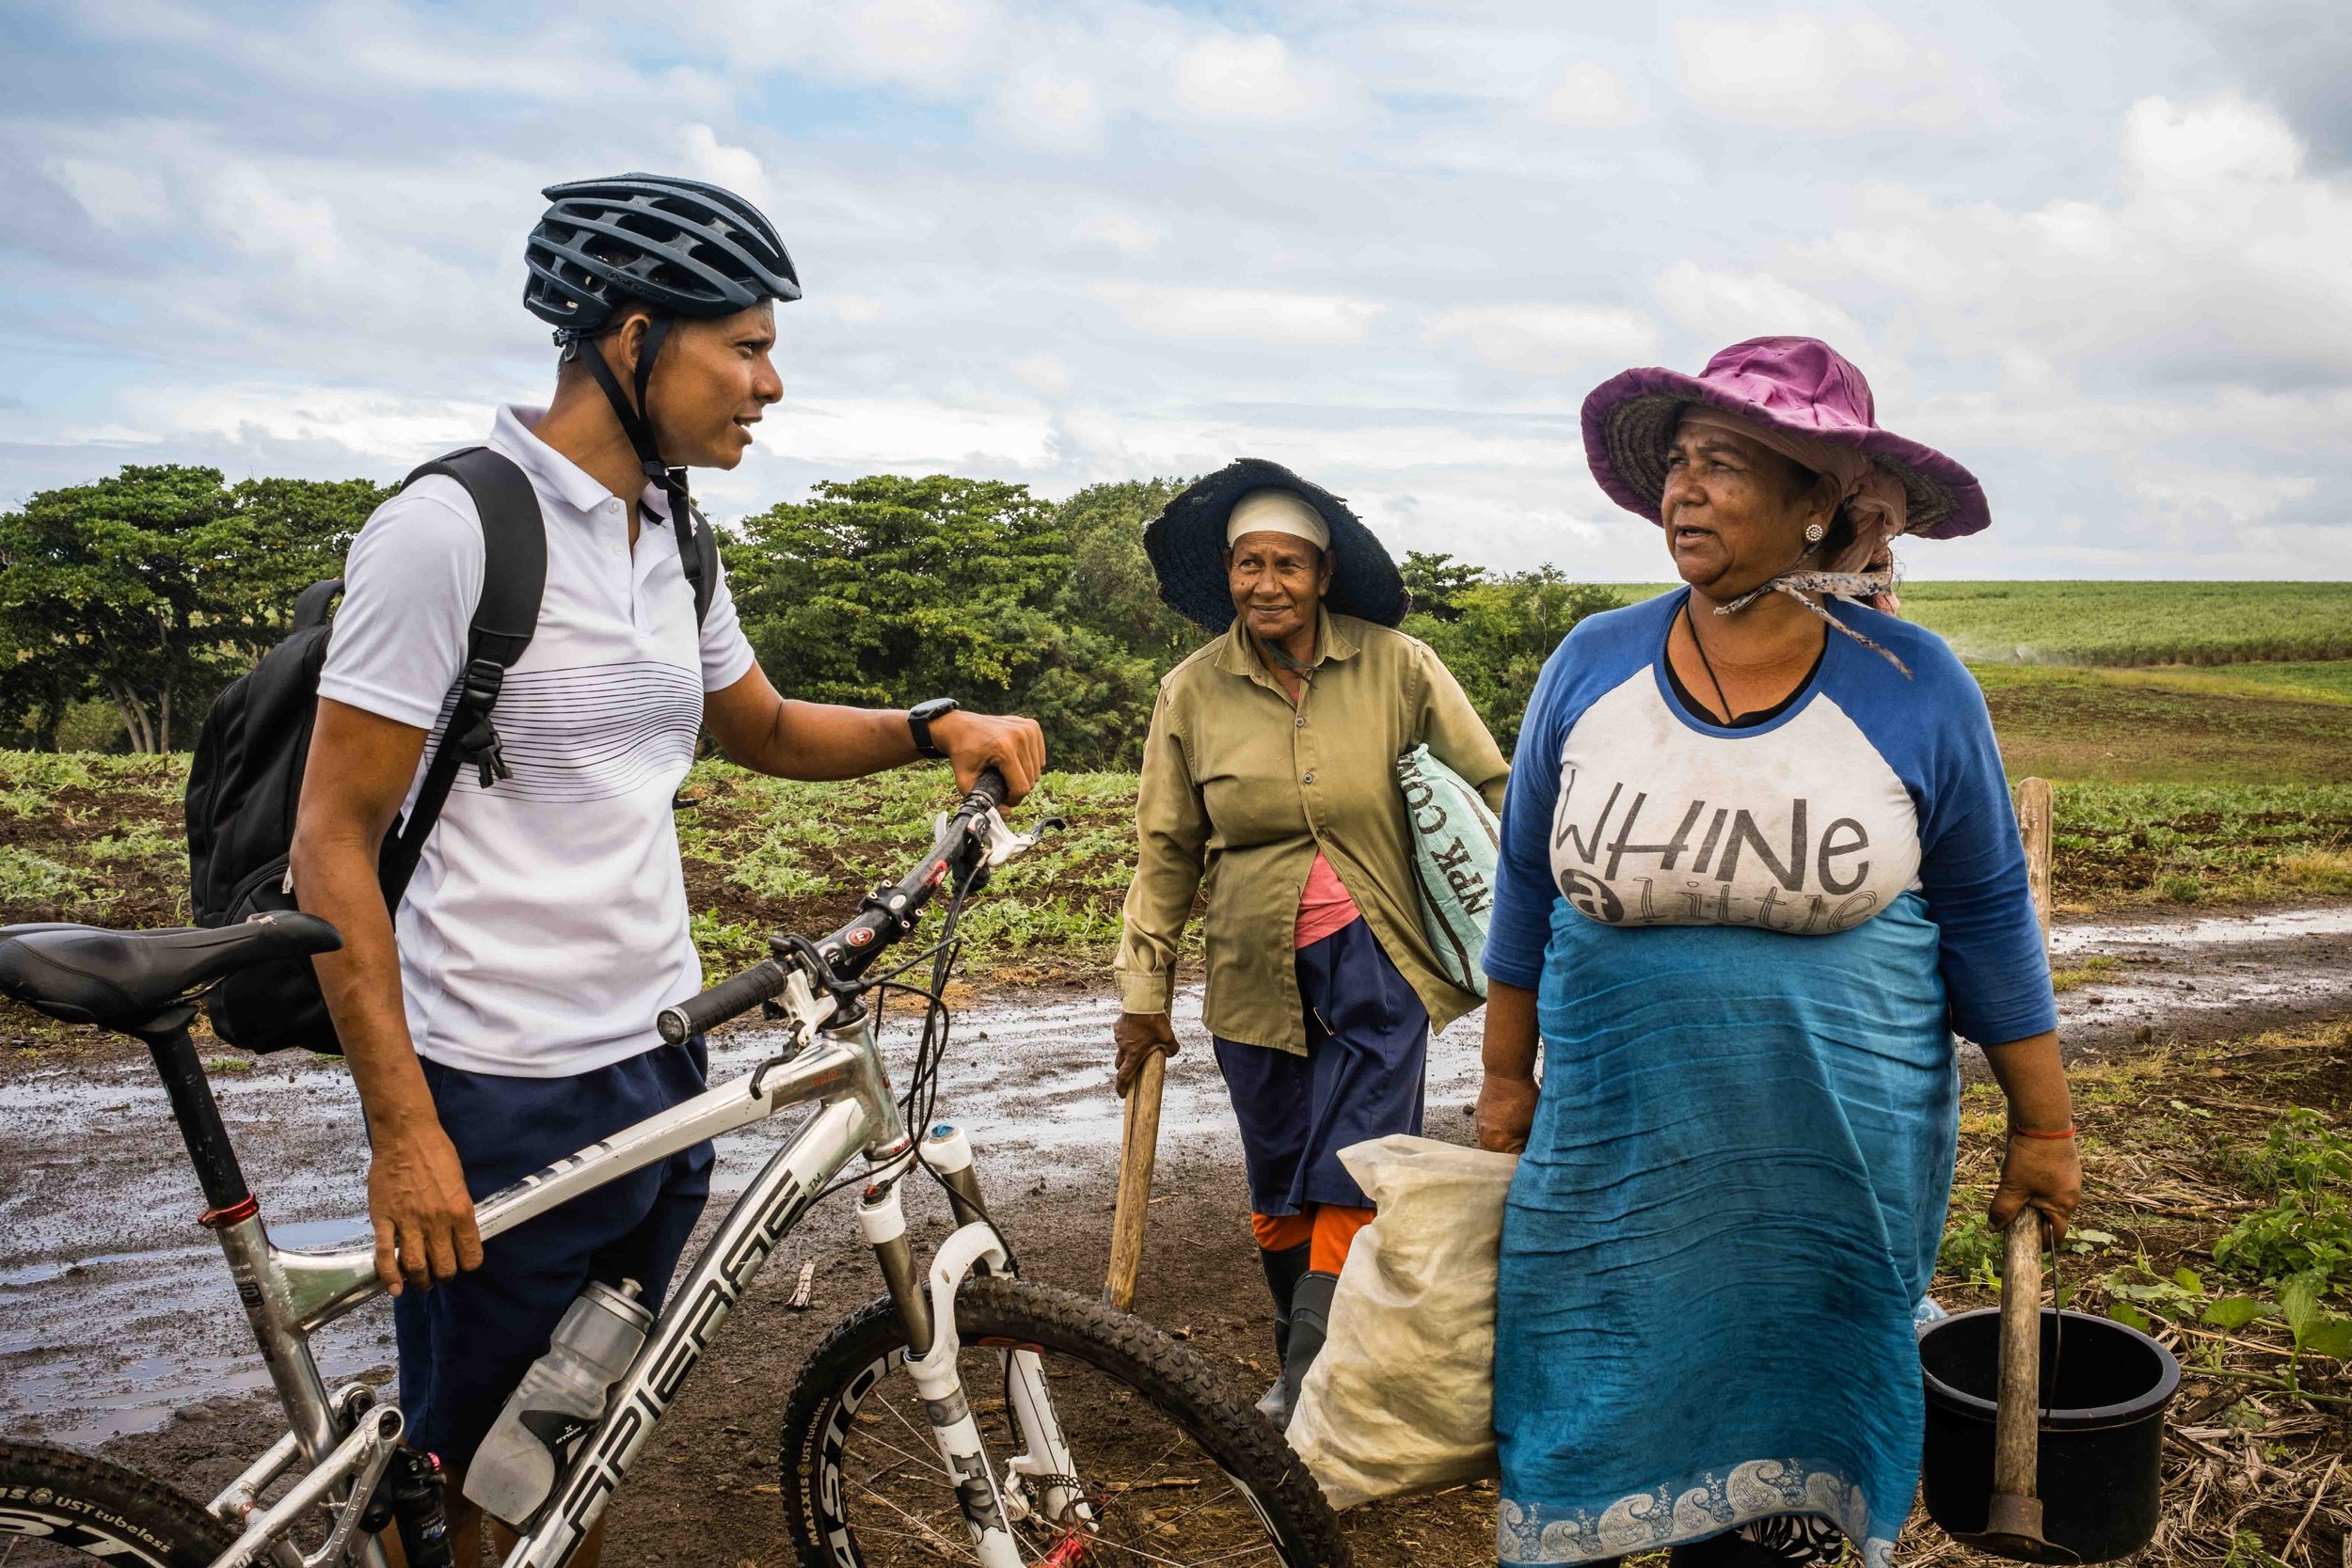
(1708,1505)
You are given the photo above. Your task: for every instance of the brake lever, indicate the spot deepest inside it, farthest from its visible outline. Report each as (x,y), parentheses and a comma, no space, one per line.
(804,1012)
(996,837)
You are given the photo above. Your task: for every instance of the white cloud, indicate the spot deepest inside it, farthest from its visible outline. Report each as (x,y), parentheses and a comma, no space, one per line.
(1127,231)
(1728,307)
(2217,142)
(1254,79)
(1808,73)
(1547,340)
(2219,262)
(1050,109)
(386,427)
(1586,93)
(1242,314)
(738,168)
(116,196)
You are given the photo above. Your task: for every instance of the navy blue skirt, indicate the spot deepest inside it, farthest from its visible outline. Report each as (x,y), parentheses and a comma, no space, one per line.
(1367,1052)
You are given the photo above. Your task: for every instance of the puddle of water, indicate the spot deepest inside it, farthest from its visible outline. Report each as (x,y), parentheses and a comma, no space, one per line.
(2211,930)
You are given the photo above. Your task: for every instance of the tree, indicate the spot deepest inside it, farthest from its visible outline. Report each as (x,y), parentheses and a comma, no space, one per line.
(155,586)
(1437,581)
(889,590)
(1503,631)
(1111,587)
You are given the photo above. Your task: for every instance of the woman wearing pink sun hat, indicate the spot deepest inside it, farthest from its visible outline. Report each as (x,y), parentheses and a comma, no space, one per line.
(1758,864)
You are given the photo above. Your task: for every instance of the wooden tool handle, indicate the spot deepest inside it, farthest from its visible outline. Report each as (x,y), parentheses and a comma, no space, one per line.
(2037,825)
(1138,1147)
(2017,1426)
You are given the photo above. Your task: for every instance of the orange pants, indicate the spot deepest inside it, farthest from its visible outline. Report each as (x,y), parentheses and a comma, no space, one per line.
(1328,1228)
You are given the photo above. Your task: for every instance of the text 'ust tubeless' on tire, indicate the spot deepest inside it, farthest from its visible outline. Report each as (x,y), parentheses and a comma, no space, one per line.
(1177,1467)
(58,1507)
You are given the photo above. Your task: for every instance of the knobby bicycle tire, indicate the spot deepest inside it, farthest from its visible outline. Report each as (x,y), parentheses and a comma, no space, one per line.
(995,1313)
(54,1499)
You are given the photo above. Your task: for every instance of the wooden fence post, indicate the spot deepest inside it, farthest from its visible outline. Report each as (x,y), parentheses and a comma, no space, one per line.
(2035,824)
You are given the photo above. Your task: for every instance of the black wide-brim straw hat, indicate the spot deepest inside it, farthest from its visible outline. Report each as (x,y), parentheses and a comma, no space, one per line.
(1186,544)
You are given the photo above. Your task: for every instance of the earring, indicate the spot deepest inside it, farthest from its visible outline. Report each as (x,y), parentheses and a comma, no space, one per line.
(1813,533)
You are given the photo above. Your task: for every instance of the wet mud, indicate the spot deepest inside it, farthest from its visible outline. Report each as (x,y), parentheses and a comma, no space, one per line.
(119,1330)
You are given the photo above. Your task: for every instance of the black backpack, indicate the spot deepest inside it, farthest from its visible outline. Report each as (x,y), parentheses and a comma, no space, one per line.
(246,777)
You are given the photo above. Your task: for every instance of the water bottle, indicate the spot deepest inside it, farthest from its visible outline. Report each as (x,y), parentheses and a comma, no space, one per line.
(563,1393)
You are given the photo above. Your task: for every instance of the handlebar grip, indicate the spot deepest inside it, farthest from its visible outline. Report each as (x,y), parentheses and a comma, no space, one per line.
(729,998)
(987,792)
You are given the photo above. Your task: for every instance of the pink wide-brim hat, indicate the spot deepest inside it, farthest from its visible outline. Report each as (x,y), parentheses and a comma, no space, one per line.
(1799,385)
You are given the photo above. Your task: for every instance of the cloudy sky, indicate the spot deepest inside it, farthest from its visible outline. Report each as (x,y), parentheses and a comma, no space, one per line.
(2100,253)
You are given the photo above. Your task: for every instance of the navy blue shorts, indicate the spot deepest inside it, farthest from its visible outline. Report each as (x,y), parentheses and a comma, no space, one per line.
(466,1343)
(1367,1052)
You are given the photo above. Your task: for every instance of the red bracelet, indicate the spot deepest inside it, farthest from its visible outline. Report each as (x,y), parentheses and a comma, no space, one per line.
(2021,1133)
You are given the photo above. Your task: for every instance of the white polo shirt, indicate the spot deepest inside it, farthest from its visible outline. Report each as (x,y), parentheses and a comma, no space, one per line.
(546,924)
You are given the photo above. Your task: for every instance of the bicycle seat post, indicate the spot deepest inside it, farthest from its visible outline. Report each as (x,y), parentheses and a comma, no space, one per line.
(233,1215)
(226,1195)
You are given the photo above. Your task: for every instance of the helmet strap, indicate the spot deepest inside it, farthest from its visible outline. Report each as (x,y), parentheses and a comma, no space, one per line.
(638,426)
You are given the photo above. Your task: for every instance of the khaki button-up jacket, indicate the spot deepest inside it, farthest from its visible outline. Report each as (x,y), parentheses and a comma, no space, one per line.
(1240,789)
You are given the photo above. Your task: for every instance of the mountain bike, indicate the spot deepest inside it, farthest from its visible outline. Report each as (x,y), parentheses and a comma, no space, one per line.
(964,1416)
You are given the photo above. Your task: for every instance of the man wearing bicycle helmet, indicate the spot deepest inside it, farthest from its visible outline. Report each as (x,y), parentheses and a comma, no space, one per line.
(502,1017)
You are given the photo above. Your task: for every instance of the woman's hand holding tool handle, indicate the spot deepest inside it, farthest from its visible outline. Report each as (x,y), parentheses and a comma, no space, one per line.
(2041,1166)
(1145,1041)
(1136,1036)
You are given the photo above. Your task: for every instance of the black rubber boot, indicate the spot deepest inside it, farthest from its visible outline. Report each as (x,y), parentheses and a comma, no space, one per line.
(1283,1270)
(1310,1318)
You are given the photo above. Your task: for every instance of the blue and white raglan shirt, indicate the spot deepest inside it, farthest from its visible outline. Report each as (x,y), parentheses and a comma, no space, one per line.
(1870,783)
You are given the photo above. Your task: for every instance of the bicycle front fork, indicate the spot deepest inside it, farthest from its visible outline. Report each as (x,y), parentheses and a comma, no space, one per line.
(990,1508)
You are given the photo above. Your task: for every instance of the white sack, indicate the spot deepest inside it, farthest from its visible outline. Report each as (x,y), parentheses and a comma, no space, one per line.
(1402,1397)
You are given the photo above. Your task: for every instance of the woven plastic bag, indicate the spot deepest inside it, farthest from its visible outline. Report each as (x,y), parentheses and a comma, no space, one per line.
(1455,843)
(1402,1397)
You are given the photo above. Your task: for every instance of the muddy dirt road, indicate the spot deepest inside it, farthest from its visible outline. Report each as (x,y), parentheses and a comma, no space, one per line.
(118,1326)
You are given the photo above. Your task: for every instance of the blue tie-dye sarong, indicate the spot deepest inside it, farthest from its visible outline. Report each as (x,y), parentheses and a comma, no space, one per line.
(1726,1219)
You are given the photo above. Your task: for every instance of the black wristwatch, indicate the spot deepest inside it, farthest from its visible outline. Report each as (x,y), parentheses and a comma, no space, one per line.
(919,719)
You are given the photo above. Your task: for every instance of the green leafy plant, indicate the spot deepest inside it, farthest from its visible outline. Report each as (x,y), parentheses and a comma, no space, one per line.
(2307,1229)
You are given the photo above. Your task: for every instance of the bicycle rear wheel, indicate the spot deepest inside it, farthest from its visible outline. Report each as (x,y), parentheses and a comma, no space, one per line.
(59,1507)
(1177,1468)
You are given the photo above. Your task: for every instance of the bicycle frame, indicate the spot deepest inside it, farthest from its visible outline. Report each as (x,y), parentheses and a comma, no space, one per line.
(290,1295)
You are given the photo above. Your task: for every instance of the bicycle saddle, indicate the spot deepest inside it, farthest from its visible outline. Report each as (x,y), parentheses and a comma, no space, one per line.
(122,979)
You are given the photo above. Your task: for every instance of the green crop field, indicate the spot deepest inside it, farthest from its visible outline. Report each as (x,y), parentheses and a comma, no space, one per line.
(2128,622)
(2137,623)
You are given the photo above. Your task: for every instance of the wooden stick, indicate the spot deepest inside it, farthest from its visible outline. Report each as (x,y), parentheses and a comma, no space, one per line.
(2017,1510)
(2036,824)
(1139,1146)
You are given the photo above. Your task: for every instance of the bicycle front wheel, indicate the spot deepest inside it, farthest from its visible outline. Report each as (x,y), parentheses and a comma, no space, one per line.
(59,1507)
(1175,1467)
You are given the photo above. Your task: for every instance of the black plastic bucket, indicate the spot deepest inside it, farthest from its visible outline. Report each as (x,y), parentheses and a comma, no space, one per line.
(2106,1388)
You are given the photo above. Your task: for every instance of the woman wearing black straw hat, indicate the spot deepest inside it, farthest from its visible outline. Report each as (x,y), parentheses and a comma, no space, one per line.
(1269,775)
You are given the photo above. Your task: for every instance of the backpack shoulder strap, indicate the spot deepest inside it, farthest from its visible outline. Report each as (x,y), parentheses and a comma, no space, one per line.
(515,549)
(310,609)
(702,565)
(513,578)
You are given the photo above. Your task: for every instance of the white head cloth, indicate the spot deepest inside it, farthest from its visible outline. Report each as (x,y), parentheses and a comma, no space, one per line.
(1274,509)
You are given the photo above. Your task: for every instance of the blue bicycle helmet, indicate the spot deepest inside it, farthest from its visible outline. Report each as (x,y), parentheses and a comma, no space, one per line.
(683,248)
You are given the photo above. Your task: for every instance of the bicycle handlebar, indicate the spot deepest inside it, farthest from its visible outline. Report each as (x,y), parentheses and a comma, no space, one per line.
(886,916)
